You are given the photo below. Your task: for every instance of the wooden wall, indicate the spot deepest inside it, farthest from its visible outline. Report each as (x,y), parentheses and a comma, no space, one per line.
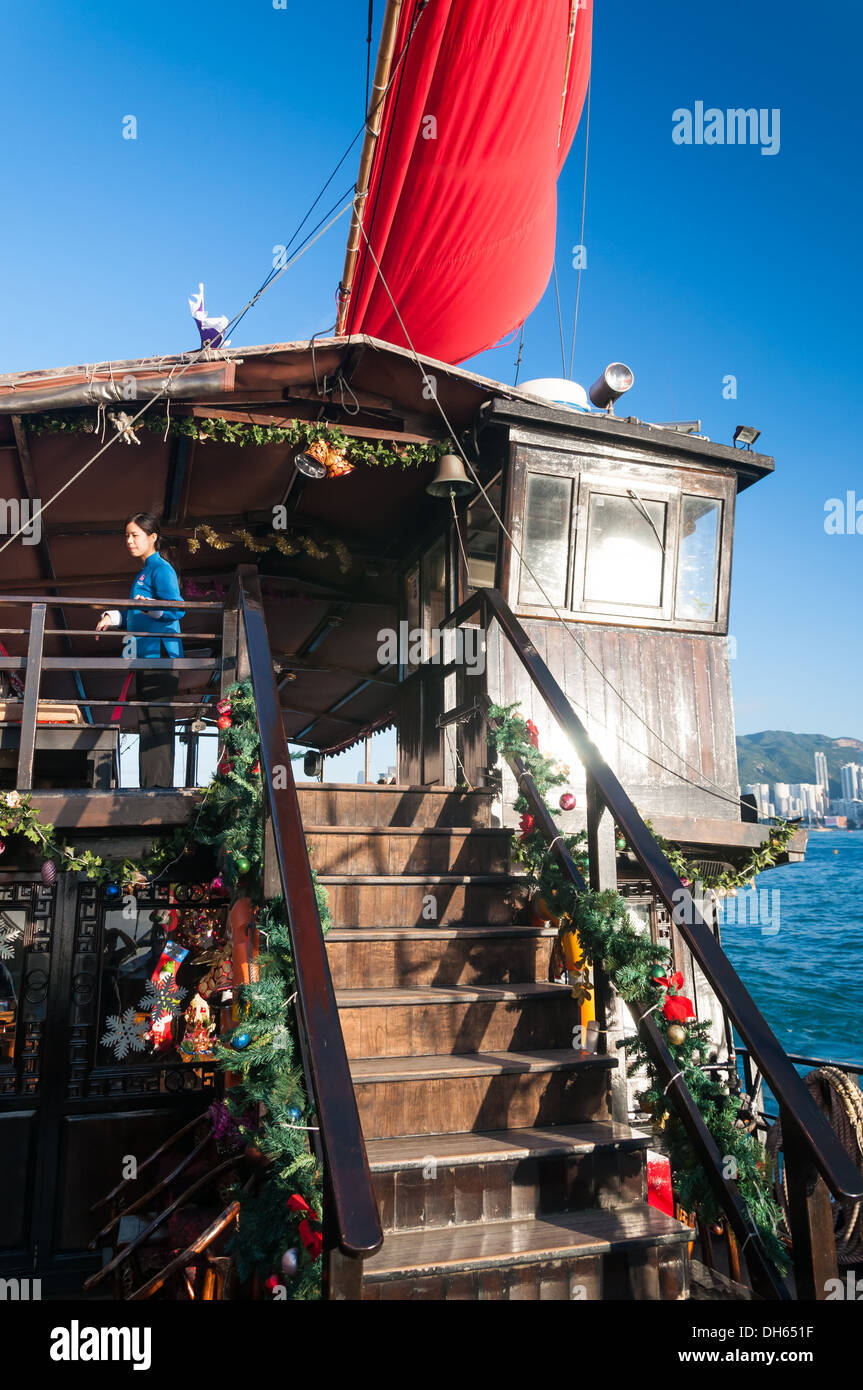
(678,683)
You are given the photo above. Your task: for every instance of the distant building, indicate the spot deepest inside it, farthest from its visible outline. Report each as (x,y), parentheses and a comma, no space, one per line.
(763,804)
(821,775)
(851,777)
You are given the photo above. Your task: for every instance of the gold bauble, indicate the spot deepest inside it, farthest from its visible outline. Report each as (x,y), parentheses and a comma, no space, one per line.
(677,1034)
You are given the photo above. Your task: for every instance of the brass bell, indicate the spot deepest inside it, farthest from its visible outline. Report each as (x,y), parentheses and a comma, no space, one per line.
(450,478)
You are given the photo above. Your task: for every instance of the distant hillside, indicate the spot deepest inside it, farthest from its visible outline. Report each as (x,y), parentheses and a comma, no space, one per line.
(778,756)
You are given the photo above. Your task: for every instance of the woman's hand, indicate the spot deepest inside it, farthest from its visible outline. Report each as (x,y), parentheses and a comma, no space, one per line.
(104,623)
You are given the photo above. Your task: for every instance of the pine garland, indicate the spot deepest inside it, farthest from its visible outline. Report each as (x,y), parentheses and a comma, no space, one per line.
(229,825)
(641,973)
(374,453)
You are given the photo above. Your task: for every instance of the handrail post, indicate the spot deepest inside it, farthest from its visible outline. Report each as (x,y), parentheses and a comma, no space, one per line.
(230,634)
(30,708)
(602,860)
(810,1216)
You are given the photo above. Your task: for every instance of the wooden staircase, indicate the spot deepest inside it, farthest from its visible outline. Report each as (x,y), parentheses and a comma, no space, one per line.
(498,1170)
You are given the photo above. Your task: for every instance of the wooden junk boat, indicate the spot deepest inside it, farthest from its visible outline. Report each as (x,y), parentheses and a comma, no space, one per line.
(439,1041)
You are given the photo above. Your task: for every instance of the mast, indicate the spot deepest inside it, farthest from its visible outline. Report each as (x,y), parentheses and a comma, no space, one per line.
(373,126)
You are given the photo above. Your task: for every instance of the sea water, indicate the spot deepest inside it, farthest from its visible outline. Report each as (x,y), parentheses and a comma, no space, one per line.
(807,977)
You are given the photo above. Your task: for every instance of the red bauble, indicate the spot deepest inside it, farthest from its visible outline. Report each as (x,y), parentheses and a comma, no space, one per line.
(224,721)
(271,1284)
(224,707)
(256,769)
(567,802)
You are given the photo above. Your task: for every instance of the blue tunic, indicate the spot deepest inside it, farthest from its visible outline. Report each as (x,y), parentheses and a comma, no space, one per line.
(156,580)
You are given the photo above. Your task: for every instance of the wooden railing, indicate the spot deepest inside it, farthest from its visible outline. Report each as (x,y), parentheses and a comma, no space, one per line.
(351,1224)
(814,1159)
(352,1228)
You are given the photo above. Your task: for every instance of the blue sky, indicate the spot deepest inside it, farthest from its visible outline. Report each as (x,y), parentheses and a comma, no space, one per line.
(702,261)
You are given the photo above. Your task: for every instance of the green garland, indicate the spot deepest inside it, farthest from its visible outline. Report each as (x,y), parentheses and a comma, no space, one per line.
(268,1103)
(634,965)
(374,453)
(727,883)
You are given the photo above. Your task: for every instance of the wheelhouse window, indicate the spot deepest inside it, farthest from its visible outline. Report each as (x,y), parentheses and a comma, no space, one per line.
(626,550)
(699,552)
(645,546)
(547,523)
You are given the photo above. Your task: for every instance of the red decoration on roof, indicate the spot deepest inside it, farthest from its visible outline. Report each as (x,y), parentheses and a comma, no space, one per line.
(462,201)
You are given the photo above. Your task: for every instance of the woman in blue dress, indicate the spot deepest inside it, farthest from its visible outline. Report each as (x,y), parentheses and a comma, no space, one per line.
(155,634)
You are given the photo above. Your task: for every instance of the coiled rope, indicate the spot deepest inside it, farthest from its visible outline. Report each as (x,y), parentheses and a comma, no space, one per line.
(840,1099)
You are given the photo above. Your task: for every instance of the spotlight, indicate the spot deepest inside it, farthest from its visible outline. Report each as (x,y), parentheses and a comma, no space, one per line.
(311,466)
(747,434)
(615,380)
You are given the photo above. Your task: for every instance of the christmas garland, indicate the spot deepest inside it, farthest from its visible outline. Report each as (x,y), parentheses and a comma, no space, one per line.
(278,1236)
(728,882)
(374,453)
(288,545)
(641,973)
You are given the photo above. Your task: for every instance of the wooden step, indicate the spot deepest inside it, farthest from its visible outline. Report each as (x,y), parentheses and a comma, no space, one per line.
(627,1253)
(479,1091)
(345,804)
(440,1180)
(434,1019)
(470,955)
(338,849)
(422,900)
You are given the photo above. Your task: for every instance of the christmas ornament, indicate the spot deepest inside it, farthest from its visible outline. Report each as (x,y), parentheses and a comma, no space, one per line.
(112,890)
(294,1114)
(567,801)
(272,1283)
(532,733)
(312,1239)
(2,846)
(620,842)
(240,1041)
(678,1009)
(217,884)
(241,864)
(677,1034)
(224,766)
(198,1038)
(525,825)
(220,975)
(125,1033)
(256,769)
(223,707)
(290,1262)
(224,721)
(48,873)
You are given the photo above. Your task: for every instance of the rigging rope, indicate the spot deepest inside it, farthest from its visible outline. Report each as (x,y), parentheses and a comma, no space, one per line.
(840,1099)
(705,784)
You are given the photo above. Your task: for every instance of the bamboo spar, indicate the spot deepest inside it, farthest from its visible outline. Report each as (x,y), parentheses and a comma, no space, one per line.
(373,126)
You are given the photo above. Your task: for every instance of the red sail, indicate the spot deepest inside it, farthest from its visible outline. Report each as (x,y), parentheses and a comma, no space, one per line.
(462,201)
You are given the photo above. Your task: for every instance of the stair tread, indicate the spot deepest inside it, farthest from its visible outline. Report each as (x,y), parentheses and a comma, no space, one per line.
(442,1065)
(416,880)
(564,1235)
(428,933)
(502,1145)
(397,996)
(425,830)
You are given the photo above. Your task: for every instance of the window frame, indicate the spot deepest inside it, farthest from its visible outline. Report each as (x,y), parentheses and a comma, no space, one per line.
(661,482)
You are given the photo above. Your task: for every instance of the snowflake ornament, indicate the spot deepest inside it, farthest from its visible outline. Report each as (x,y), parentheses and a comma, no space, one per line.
(124,1034)
(8,937)
(163,996)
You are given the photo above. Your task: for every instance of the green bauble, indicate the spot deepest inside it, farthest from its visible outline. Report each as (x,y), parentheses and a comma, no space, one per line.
(620,842)
(241,864)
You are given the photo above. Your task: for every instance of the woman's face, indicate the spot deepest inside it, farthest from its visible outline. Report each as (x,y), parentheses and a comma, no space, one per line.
(139,543)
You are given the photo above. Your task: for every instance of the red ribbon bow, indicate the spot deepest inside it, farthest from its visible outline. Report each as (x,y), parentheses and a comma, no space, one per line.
(677,1008)
(525,825)
(312,1239)
(533,733)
